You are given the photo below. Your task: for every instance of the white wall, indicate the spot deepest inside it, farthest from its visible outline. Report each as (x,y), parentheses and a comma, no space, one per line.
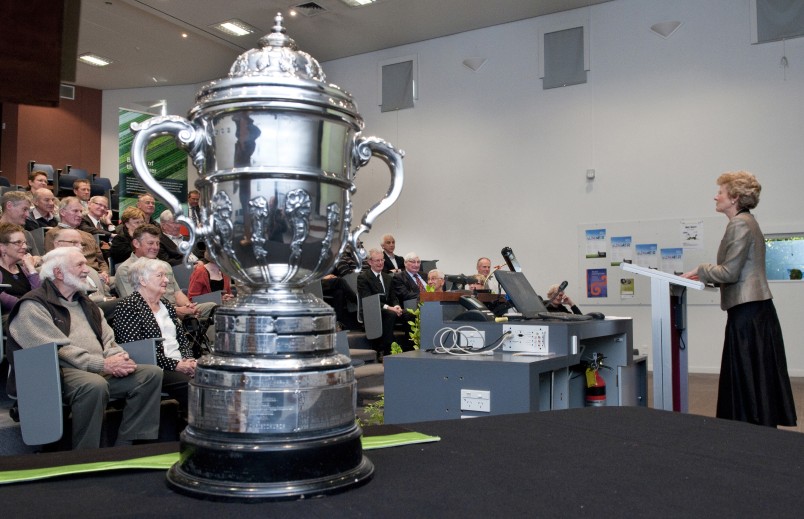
(494,160)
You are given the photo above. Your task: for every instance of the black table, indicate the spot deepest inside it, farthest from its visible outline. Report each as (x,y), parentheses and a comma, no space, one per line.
(594,462)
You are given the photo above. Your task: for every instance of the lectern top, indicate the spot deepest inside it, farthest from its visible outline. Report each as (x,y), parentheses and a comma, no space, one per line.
(664,276)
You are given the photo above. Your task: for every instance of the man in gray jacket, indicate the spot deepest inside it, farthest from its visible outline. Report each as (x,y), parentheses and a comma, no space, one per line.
(94,367)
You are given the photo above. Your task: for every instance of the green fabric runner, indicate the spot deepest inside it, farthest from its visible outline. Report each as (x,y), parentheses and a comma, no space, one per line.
(165,461)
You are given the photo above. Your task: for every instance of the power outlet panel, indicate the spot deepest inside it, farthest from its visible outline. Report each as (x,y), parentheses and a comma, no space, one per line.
(474,339)
(529,339)
(476,400)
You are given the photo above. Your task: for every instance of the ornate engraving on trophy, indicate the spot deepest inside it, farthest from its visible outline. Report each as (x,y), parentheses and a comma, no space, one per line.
(333,219)
(222,228)
(258,207)
(297,214)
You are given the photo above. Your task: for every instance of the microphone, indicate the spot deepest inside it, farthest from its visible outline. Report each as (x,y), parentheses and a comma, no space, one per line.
(510,259)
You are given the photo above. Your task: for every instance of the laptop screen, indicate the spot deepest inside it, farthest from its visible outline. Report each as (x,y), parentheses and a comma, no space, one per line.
(518,288)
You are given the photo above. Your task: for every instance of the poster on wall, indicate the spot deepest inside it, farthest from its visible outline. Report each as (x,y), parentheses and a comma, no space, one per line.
(596,243)
(626,288)
(692,234)
(646,255)
(673,260)
(596,283)
(621,250)
(166,162)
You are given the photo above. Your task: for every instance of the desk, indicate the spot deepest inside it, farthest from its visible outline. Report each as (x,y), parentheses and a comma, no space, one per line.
(593,462)
(421,385)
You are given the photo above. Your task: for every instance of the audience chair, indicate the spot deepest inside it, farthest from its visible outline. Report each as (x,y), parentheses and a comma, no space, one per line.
(77,172)
(4,182)
(47,168)
(64,185)
(212,297)
(39,393)
(372,316)
(39,239)
(426,266)
(182,275)
(351,280)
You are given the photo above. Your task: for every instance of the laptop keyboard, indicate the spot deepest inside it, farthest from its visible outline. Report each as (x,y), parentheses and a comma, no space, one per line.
(561,316)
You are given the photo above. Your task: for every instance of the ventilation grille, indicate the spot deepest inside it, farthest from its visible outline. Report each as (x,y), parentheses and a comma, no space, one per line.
(67,92)
(309,9)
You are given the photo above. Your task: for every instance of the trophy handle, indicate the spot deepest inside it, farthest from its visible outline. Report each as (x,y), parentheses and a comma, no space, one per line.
(187,137)
(365,148)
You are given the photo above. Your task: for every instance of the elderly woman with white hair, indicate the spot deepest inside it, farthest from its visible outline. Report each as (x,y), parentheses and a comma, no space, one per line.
(145,314)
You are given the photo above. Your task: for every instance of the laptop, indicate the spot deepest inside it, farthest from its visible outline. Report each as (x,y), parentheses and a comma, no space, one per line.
(527,301)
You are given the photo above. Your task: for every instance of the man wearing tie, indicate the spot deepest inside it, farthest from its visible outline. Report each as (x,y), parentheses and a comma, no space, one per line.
(408,284)
(375,281)
(192,210)
(98,219)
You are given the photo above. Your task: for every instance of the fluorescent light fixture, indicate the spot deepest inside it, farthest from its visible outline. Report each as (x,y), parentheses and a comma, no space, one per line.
(665,29)
(358,3)
(234,27)
(94,60)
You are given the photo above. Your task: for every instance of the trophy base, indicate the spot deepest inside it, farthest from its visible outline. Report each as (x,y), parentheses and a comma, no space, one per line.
(240,471)
(272,408)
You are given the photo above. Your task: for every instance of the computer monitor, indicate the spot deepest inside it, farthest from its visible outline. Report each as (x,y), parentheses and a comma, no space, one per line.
(519,290)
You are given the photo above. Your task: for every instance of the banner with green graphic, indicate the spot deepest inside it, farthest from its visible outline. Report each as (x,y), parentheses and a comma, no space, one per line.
(166,161)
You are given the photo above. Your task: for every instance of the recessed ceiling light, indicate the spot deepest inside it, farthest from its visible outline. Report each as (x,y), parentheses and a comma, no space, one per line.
(234,27)
(94,60)
(358,3)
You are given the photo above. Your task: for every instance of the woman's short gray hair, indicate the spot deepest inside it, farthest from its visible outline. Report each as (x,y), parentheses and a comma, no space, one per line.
(141,268)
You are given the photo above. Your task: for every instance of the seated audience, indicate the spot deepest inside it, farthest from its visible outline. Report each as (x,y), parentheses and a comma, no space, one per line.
(16,207)
(98,219)
(94,368)
(391,262)
(100,291)
(172,238)
(145,314)
(145,244)
(43,213)
(70,213)
(37,179)
(131,218)
(485,277)
(375,281)
(207,277)
(408,284)
(558,301)
(435,278)
(82,190)
(16,266)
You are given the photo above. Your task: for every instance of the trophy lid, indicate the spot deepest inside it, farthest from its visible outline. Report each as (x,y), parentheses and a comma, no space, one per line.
(277,71)
(278,56)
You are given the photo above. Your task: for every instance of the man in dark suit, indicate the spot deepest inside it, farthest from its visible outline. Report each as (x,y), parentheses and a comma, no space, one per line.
(408,284)
(98,219)
(391,262)
(375,281)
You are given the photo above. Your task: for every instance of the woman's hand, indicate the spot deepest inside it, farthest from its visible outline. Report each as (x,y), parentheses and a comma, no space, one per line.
(28,266)
(186,366)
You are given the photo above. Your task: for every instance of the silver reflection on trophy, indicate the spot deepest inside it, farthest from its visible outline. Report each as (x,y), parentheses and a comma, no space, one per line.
(272,408)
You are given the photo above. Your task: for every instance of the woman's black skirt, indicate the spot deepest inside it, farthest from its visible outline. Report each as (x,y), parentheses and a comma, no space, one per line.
(754,384)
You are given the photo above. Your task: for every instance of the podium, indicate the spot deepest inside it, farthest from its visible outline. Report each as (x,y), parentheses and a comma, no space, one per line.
(668,317)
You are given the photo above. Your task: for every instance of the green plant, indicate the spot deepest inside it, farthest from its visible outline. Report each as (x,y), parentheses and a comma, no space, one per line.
(415,330)
(375,413)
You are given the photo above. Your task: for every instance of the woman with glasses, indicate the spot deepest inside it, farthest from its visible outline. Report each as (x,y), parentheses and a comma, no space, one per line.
(16,266)
(146,314)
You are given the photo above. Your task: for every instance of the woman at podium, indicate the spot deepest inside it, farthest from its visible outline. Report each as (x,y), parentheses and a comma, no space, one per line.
(754,385)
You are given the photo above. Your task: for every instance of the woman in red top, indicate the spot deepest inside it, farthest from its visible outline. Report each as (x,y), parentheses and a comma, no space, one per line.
(206,278)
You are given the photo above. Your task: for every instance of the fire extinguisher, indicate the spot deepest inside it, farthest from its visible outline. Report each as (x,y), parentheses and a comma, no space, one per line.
(595,385)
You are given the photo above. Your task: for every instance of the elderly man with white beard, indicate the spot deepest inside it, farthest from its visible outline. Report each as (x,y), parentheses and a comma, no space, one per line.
(94,368)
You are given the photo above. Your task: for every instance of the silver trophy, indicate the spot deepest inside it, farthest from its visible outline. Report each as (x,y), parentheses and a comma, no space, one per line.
(272,408)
